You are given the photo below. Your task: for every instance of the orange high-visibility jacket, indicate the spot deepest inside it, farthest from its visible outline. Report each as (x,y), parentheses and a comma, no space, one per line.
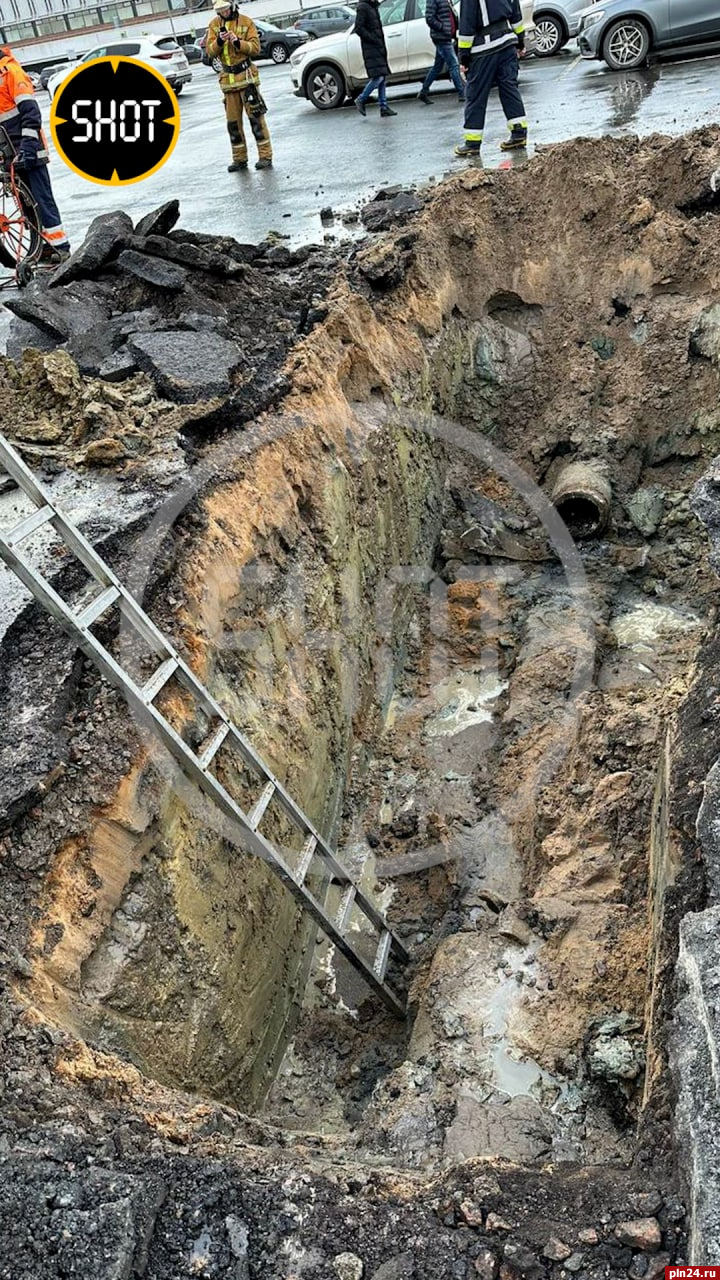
(19,111)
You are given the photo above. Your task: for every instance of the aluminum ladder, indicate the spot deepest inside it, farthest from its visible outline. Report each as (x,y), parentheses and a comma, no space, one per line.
(196,765)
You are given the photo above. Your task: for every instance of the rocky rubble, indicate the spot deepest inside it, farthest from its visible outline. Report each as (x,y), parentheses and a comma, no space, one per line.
(209,320)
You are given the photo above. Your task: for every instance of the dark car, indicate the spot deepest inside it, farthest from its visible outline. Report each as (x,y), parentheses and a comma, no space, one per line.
(50,71)
(325,22)
(276,43)
(193,52)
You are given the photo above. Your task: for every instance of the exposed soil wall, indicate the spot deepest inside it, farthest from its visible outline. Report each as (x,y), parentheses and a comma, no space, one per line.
(564,312)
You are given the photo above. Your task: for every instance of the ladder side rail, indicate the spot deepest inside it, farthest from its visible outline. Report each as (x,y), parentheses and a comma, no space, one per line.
(22,475)
(14,465)
(292,809)
(117,676)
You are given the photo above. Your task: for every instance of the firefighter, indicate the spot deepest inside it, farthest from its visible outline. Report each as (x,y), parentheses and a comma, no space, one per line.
(20,117)
(234,39)
(490,38)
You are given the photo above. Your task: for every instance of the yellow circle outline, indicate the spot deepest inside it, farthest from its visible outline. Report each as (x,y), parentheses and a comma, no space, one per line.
(115,181)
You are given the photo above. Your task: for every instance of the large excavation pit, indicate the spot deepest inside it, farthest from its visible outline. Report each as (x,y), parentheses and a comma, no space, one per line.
(456,586)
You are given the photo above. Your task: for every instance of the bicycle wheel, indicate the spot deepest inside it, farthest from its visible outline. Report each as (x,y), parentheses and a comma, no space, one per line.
(20,235)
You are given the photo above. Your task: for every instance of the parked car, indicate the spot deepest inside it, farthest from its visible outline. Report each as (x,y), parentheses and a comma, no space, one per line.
(325,22)
(328,70)
(162,53)
(276,43)
(556,22)
(53,69)
(192,51)
(624,32)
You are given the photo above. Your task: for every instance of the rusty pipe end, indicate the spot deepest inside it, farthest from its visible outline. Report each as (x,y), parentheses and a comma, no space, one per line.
(582,496)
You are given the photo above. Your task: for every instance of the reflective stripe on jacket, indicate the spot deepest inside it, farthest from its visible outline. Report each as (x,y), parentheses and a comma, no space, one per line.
(489,25)
(19,111)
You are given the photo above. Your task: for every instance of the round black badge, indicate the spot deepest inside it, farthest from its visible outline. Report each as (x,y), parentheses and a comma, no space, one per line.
(115,120)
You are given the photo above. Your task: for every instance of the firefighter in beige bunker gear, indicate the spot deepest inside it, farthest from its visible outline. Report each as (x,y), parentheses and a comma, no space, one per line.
(233,39)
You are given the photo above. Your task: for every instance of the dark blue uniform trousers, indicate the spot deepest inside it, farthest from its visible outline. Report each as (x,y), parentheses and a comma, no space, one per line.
(487,70)
(38,180)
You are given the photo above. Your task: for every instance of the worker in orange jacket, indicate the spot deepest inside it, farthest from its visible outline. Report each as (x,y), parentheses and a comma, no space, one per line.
(21,119)
(233,39)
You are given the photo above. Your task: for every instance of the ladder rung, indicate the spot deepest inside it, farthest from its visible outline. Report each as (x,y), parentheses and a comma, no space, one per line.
(346,904)
(97,607)
(214,745)
(256,816)
(306,858)
(158,679)
(383,955)
(29,525)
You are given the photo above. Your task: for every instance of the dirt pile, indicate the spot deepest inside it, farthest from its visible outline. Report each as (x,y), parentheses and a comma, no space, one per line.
(497,728)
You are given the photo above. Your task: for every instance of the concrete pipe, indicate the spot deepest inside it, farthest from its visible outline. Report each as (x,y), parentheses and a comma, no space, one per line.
(582,496)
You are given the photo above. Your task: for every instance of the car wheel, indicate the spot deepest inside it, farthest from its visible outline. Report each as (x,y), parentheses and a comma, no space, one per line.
(549,35)
(278,53)
(325,87)
(626,44)
(177,89)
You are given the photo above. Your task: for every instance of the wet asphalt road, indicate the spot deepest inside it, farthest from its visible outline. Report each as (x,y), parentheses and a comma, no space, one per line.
(335,158)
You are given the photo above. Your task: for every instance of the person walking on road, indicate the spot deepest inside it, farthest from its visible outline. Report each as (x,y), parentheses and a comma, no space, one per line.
(234,39)
(489,39)
(440,17)
(20,117)
(374,51)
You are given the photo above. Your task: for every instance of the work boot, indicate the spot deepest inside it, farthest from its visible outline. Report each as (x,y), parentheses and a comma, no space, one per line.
(516,141)
(424,96)
(263,164)
(360,106)
(237,164)
(468,150)
(51,255)
(387,111)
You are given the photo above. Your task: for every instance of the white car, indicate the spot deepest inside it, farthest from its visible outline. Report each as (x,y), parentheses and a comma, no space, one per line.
(328,70)
(162,53)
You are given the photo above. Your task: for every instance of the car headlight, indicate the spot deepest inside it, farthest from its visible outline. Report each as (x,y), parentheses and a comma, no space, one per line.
(297,57)
(591,19)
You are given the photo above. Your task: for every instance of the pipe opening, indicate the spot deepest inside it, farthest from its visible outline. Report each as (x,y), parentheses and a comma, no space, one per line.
(582,495)
(582,516)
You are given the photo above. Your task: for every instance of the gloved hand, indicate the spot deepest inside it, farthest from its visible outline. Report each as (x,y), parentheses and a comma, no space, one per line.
(26,157)
(465,58)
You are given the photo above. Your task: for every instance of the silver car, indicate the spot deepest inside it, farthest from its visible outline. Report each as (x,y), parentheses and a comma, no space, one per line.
(556,22)
(624,32)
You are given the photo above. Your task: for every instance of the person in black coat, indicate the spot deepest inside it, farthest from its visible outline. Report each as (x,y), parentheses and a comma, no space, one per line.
(440,17)
(374,51)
